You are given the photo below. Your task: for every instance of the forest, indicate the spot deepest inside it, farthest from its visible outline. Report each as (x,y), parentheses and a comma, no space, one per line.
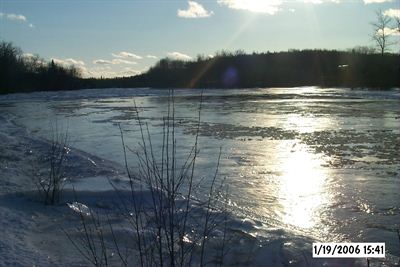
(357,67)
(322,68)
(19,73)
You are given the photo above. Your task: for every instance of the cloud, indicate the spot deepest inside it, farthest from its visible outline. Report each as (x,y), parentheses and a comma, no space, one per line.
(34,59)
(394,13)
(388,31)
(98,72)
(376,1)
(259,6)
(15,17)
(320,1)
(103,68)
(195,10)
(179,56)
(151,56)
(28,55)
(129,72)
(116,61)
(270,7)
(68,62)
(108,72)
(122,61)
(124,54)
(102,62)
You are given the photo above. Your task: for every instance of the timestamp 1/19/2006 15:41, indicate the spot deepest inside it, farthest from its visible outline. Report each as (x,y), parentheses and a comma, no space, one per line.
(348,250)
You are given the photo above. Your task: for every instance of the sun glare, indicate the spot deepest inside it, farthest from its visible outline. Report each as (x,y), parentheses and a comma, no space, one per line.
(301,188)
(258,6)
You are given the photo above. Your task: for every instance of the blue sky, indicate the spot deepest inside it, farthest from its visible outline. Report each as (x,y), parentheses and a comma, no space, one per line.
(121,38)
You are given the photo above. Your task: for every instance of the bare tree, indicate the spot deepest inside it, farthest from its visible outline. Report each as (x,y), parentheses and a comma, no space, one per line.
(381,31)
(397,24)
(397,28)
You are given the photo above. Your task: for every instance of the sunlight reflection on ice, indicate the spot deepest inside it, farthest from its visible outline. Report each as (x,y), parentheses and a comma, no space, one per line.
(301,188)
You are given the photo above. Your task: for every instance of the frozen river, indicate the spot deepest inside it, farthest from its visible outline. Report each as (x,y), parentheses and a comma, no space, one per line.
(319,163)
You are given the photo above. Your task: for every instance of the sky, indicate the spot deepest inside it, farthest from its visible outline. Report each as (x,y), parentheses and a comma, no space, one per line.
(111,38)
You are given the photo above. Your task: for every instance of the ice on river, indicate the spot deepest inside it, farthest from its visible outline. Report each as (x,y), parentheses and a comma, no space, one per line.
(302,165)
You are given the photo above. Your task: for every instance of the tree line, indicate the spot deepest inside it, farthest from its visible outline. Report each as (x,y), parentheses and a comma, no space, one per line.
(23,73)
(359,67)
(292,68)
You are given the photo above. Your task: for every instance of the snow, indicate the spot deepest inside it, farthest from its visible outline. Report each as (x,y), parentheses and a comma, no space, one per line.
(79,208)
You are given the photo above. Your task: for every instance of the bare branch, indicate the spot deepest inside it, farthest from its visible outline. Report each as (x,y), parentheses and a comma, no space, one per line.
(380,31)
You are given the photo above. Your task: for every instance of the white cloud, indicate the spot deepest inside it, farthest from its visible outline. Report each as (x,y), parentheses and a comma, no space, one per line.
(123,61)
(108,72)
(17,17)
(75,62)
(124,54)
(98,72)
(388,31)
(28,55)
(195,10)
(33,59)
(179,56)
(151,56)
(116,61)
(68,62)
(320,1)
(376,1)
(103,68)
(129,72)
(259,6)
(394,13)
(102,62)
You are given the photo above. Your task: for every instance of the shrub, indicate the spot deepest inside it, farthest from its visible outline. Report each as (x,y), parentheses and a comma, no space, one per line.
(51,183)
(168,225)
